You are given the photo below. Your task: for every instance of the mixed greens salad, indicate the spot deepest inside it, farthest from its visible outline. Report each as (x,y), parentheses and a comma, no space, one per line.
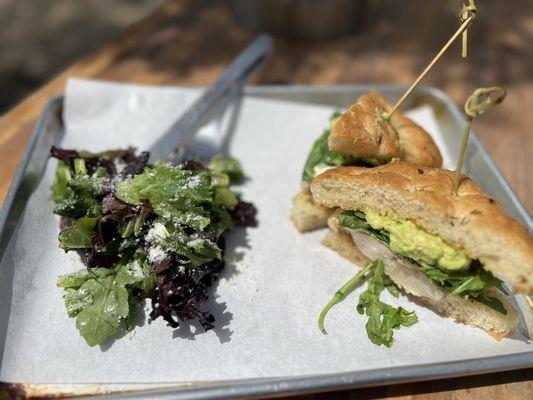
(143,232)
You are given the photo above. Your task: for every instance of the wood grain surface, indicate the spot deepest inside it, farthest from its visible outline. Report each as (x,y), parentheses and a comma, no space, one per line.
(190,42)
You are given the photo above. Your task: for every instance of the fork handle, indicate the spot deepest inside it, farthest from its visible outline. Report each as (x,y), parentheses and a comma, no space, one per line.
(202,110)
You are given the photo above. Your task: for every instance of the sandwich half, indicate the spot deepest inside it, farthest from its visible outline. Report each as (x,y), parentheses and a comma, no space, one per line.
(449,251)
(361,137)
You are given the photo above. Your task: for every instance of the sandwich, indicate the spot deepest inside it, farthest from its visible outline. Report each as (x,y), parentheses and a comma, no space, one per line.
(361,137)
(450,251)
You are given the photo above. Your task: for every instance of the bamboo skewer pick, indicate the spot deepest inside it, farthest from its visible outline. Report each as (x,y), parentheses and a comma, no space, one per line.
(467,15)
(468,9)
(478,102)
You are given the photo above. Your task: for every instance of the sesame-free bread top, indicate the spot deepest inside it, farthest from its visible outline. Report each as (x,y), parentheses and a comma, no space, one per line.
(360,133)
(469,220)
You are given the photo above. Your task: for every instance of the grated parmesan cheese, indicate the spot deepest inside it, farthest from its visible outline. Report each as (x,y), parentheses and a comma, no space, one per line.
(157,232)
(156,254)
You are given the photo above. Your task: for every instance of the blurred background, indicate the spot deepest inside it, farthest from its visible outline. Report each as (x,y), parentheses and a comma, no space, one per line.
(189,42)
(40,37)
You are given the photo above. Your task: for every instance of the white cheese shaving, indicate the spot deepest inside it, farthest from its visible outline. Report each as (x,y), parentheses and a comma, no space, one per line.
(156,254)
(136,270)
(156,232)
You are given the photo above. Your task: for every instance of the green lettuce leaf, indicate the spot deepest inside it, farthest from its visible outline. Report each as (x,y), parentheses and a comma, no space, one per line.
(78,235)
(225,197)
(176,194)
(321,157)
(194,249)
(229,166)
(60,189)
(101,299)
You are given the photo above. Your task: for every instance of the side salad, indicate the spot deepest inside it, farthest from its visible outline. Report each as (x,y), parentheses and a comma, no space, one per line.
(143,231)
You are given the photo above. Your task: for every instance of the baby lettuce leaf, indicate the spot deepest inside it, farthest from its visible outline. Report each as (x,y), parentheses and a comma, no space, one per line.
(78,235)
(101,299)
(76,193)
(194,250)
(174,193)
(382,318)
(60,189)
(229,166)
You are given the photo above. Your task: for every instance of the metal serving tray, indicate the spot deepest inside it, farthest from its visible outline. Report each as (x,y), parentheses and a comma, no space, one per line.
(479,166)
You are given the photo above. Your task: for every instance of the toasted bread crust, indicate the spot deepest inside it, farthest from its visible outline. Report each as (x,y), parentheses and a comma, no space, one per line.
(306,215)
(470,220)
(359,134)
(468,312)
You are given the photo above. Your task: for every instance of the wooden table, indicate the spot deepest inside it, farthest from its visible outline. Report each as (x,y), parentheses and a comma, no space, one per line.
(190,42)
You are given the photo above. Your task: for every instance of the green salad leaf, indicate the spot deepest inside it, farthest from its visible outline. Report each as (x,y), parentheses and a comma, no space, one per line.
(60,188)
(357,220)
(75,193)
(321,157)
(101,299)
(382,318)
(78,235)
(229,166)
(471,283)
(194,249)
(174,193)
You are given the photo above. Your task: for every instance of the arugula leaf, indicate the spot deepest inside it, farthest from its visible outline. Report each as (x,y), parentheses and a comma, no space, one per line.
(223,220)
(391,287)
(321,155)
(100,299)
(78,235)
(357,220)
(471,283)
(341,294)
(173,192)
(492,302)
(226,165)
(382,318)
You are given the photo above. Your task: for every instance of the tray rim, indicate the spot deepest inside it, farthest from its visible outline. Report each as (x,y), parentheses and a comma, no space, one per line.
(311,383)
